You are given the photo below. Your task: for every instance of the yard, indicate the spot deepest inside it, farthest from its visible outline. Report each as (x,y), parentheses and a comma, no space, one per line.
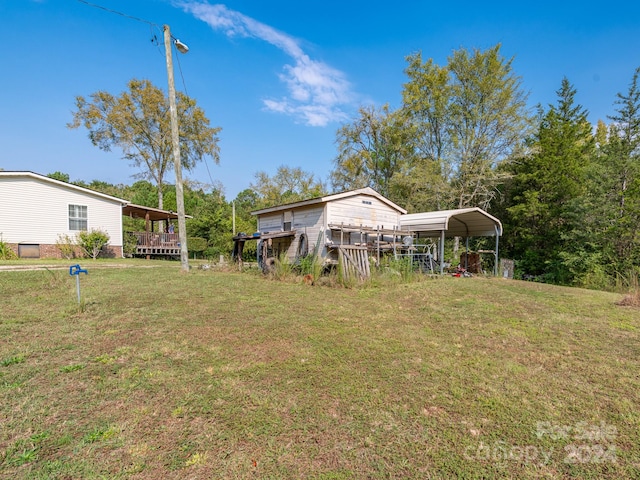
(227,375)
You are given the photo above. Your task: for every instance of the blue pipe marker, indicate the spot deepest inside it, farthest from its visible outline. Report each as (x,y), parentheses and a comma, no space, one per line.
(76,270)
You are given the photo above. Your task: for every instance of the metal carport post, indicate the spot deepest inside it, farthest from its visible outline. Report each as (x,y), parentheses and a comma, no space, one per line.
(441,252)
(495,266)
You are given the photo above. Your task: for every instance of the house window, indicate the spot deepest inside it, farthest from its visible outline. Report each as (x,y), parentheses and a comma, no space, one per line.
(77,217)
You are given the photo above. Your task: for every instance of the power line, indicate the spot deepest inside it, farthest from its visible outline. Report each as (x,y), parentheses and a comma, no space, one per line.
(118,13)
(154,40)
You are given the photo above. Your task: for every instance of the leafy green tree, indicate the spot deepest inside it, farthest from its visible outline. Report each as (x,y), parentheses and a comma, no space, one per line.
(620,182)
(426,97)
(246,202)
(288,185)
(212,220)
(143,193)
(546,222)
(468,117)
(63,177)
(371,150)
(625,141)
(441,150)
(137,121)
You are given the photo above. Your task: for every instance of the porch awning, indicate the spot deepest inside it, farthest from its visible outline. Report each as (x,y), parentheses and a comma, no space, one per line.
(155,214)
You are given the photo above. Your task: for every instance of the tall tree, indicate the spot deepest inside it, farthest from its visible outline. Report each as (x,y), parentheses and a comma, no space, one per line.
(622,179)
(548,192)
(371,150)
(426,180)
(469,116)
(441,149)
(212,220)
(286,186)
(137,122)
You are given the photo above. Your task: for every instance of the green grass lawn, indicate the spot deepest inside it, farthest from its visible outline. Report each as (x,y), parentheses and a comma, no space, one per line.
(213,374)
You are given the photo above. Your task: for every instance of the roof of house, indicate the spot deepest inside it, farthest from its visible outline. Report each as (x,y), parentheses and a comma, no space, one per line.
(465,222)
(128,209)
(70,186)
(330,198)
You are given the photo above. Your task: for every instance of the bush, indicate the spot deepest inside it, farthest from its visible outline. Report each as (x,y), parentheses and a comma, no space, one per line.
(93,242)
(310,265)
(197,244)
(130,244)
(6,253)
(401,269)
(67,245)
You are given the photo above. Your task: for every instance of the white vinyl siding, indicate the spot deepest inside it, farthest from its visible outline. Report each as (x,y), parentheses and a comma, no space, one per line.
(36,211)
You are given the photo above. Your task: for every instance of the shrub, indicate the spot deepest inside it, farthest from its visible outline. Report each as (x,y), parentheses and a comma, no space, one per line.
(310,265)
(6,253)
(130,244)
(67,245)
(398,269)
(197,244)
(92,242)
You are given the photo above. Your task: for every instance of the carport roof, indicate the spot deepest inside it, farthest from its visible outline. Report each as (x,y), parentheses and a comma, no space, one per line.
(465,222)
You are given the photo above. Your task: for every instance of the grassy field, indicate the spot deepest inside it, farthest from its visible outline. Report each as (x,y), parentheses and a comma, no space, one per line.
(227,375)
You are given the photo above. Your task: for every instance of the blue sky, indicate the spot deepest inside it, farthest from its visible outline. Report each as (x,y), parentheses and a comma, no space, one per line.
(280,77)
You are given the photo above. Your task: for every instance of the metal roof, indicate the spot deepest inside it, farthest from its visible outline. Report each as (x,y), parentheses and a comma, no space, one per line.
(465,222)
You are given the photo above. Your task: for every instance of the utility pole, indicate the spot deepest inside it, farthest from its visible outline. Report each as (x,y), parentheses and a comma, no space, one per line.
(175,137)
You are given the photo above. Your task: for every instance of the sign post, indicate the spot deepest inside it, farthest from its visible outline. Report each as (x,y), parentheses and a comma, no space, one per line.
(76,270)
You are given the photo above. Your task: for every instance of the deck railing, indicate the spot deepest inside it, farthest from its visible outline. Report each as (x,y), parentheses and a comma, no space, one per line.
(154,243)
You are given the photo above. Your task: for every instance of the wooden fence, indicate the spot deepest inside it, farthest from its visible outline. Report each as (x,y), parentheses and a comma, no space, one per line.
(354,262)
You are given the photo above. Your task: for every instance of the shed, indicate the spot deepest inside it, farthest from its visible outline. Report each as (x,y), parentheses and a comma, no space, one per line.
(323,224)
(465,222)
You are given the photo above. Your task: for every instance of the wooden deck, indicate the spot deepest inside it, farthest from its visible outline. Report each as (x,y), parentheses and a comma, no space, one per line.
(152,243)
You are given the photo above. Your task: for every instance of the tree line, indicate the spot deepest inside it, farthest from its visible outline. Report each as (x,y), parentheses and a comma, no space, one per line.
(566,191)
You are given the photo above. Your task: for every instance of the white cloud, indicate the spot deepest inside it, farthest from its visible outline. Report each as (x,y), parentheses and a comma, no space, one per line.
(316,91)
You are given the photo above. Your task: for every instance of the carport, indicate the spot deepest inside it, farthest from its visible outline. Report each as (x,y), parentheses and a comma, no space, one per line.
(464,222)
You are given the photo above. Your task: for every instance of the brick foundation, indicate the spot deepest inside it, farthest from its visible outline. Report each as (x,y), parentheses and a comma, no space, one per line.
(52,251)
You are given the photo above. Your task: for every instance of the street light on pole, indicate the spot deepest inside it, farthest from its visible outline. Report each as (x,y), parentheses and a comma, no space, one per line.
(175,137)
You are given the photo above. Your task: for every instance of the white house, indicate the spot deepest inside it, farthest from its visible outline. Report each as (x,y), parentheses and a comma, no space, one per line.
(37,210)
